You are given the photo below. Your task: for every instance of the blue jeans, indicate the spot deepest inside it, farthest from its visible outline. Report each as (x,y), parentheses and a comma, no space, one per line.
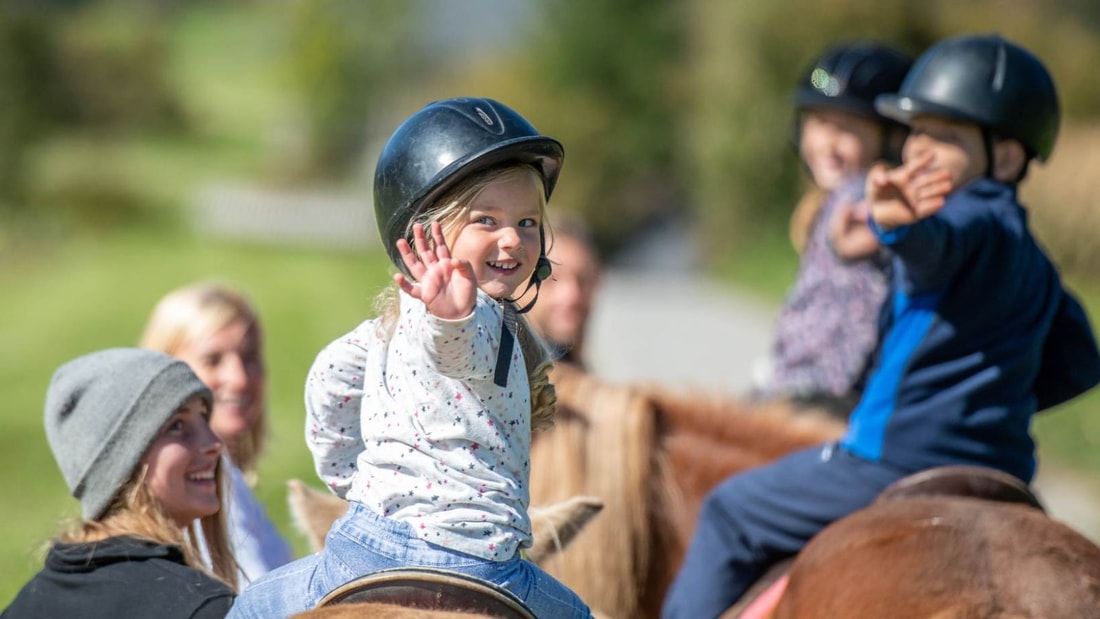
(361,542)
(753,519)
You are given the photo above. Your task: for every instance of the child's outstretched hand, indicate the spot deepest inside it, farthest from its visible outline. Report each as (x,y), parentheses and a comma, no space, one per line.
(907,193)
(446,285)
(849,235)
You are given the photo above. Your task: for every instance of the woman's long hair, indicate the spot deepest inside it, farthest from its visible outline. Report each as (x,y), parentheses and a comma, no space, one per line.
(134,512)
(197,311)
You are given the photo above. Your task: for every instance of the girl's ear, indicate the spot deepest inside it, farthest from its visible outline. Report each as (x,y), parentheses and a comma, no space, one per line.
(1009,160)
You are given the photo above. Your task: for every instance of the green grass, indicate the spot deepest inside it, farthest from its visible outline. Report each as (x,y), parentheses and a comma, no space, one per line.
(93,293)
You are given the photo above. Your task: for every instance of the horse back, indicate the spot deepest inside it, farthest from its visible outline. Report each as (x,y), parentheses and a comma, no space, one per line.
(940,556)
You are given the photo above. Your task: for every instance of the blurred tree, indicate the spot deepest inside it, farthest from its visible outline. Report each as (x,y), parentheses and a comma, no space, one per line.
(745,61)
(608,70)
(78,68)
(343,59)
(29,101)
(113,56)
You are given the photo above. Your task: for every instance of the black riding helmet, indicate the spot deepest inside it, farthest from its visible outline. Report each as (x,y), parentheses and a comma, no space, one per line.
(444,143)
(848,77)
(986,80)
(437,147)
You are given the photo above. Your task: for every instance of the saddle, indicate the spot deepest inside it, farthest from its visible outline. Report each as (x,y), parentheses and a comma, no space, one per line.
(430,589)
(976,482)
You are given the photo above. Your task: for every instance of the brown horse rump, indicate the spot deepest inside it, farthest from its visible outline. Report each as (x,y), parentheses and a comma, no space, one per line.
(959,481)
(943,556)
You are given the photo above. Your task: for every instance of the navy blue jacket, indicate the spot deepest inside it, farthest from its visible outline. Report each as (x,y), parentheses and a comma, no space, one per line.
(120,577)
(980,334)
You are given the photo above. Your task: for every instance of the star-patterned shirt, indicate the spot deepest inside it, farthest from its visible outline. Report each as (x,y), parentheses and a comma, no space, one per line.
(414,427)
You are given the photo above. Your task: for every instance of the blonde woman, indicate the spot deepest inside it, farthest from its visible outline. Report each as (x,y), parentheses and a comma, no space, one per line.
(217,332)
(129,430)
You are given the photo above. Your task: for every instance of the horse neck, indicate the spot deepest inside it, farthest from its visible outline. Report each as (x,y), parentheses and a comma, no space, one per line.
(705,439)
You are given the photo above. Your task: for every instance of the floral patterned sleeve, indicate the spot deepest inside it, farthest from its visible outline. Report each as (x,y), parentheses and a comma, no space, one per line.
(334,392)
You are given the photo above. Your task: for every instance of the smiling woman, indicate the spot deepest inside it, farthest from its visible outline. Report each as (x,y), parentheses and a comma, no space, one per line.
(129,430)
(182,463)
(217,332)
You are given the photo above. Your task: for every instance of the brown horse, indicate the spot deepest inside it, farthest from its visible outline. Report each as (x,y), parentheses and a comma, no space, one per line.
(419,593)
(651,454)
(553,526)
(383,611)
(945,557)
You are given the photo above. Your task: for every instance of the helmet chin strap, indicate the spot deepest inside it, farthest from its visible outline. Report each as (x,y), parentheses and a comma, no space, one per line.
(508,324)
(987,142)
(542,273)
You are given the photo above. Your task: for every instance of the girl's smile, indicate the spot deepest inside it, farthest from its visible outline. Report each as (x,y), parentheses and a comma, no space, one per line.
(182,464)
(229,362)
(500,235)
(838,145)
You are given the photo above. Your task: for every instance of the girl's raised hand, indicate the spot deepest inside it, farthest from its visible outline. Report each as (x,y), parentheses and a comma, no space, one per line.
(908,193)
(446,285)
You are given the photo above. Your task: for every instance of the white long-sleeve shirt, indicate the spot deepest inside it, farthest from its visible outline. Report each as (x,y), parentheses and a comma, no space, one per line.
(257,544)
(415,428)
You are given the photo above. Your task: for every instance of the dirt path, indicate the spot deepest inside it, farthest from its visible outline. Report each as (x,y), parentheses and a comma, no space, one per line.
(667,326)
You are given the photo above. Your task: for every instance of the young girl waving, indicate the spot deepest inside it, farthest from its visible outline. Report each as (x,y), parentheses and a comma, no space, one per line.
(423,416)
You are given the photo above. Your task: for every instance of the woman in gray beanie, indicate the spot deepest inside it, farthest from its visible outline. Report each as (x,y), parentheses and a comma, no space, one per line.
(217,331)
(130,431)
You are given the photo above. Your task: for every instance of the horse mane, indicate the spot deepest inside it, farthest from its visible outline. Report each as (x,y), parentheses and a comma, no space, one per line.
(651,453)
(602,444)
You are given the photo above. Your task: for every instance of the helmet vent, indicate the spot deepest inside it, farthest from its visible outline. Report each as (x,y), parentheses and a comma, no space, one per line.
(484,117)
(999,68)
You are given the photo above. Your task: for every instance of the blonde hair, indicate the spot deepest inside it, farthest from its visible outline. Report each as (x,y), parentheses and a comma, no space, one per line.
(135,512)
(449,211)
(804,217)
(194,312)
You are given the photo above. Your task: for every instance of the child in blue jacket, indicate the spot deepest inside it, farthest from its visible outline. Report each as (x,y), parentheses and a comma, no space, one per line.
(980,333)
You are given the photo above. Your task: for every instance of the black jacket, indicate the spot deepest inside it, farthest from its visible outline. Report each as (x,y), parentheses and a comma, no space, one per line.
(119,577)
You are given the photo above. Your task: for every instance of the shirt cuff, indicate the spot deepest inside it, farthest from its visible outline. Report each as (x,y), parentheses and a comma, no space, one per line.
(888,237)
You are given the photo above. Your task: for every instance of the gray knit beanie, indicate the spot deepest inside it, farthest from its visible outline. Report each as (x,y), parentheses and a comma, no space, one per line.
(105,409)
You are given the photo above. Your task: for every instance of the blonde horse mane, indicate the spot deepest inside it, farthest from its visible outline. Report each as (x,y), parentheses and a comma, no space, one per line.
(650,453)
(603,440)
